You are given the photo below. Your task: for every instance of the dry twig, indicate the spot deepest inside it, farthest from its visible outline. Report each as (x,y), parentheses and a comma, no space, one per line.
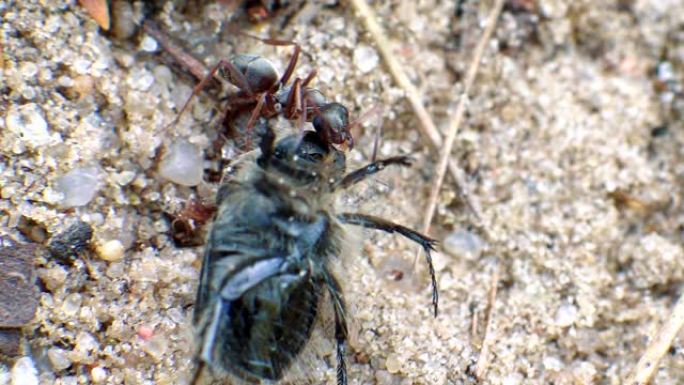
(186,60)
(458,116)
(427,126)
(648,364)
(483,360)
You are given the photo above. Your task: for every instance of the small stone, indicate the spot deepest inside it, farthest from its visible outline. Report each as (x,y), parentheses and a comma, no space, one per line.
(512,379)
(463,244)
(58,359)
(10,340)
(82,66)
(124,177)
(98,375)
(78,186)
(365,58)
(53,278)
(67,244)
(83,85)
(145,332)
(111,251)
(148,44)
(383,377)
(24,372)
(393,364)
(27,122)
(124,21)
(553,364)
(72,304)
(18,292)
(116,270)
(156,347)
(141,80)
(182,164)
(85,342)
(28,69)
(566,315)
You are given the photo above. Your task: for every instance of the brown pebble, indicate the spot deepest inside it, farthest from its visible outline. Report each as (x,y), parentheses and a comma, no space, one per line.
(18,292)
(9,342)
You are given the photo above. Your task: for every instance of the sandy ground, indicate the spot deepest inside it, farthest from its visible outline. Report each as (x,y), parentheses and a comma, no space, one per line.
(572,146)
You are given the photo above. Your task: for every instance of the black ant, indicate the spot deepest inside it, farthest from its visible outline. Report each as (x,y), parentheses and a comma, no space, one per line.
(257,80)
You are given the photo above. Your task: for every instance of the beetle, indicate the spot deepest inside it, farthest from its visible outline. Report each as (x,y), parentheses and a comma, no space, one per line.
(267,259)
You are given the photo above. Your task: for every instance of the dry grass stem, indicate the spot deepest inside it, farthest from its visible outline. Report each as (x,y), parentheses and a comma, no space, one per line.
(648,364)
(427,126)
(483,360)
(458,117)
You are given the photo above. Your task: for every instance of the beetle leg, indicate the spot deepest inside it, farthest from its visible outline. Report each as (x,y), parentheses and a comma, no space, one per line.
(309,78)
(368,170)
(428,244)
(340,326)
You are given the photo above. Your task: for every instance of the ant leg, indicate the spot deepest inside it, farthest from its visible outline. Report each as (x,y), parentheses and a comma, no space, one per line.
(371,222)
(340,326)
(256,111)
(198,88)
(220,67)
(291,65)
(293,105)
(309,77)
(302,116)
(373,168)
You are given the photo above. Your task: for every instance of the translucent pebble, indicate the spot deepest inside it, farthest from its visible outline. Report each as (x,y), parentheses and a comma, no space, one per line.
(148,44)
(28,69)
(71,304)
(115,270)
(85,342)
(463,244)
(552,363)
(512,379)
(98,375)
(27,122)
(141,80)
(393,364)
(383,377)
(81,66)
(78,186)
(58,359)
(182,164)
(24,372)
(156,347)
(111,251)
(365,58)
(566,315)
(69,380)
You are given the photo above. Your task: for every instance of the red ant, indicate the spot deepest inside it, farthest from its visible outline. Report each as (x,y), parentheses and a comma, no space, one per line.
(257,79)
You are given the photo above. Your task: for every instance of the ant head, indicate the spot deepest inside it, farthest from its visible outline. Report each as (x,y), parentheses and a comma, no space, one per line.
(332,124)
